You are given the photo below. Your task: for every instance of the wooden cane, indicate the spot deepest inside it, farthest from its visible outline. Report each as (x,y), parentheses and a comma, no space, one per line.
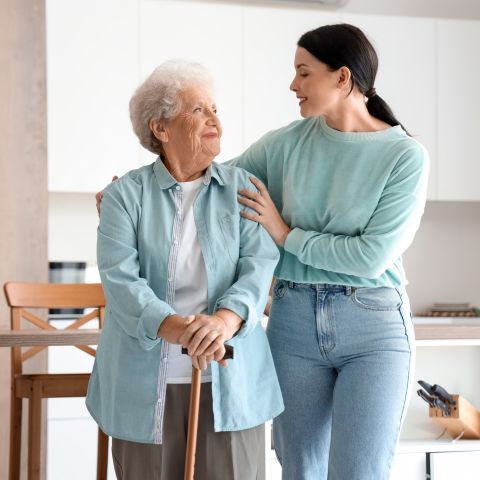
(193,414)
(193,423)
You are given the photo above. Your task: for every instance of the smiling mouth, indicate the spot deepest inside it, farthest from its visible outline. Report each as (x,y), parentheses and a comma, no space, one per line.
(302,100)
(211,135)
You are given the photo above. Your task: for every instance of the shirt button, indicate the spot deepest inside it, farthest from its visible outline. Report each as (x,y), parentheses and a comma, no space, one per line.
(175,242)
(164,359)
(179,212)
(177,187)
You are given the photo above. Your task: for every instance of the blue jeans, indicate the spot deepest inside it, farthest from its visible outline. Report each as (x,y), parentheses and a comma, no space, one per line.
(344,358)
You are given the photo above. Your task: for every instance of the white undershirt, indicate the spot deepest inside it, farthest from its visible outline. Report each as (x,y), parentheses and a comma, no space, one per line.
(191,295)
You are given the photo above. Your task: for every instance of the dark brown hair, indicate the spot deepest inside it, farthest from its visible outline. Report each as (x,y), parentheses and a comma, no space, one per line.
(344,45)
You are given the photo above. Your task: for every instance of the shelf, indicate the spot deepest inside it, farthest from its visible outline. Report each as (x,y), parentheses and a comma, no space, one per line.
(448,333)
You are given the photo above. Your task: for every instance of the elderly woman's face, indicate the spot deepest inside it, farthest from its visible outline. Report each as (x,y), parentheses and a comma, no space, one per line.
(194,134)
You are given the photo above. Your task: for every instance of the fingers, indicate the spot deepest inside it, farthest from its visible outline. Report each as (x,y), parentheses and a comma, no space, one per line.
(201,333)
(219,353)
(252,216)
(223,363)
(201,362)
(250,203)
(114,178)
(188,334)
(98,201)
(253,196)
(259,184)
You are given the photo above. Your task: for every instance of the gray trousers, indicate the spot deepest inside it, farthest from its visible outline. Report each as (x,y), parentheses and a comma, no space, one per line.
(219,456)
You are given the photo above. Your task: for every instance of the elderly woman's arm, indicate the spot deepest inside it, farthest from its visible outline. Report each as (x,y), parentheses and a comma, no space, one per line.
(134,305)
(246,298)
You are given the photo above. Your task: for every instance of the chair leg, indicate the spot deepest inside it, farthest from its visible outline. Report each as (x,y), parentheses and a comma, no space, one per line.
(102,456)
(15,436)
(34,431)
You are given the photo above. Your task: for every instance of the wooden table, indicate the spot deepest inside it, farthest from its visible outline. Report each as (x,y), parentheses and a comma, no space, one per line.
(37,337)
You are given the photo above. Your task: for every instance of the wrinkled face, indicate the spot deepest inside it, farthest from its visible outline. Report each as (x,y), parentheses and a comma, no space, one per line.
(315,85)
(194,134)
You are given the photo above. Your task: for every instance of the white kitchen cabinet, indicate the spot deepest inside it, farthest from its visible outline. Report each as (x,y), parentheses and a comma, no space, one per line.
(411,466)
(406,77)
(455,466)
(270,41)
(458,107)
(209,33)
(92,65)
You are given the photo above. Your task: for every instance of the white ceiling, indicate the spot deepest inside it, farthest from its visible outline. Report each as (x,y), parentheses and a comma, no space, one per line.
(467,9)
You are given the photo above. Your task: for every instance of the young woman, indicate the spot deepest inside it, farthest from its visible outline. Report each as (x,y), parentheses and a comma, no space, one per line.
(344,190)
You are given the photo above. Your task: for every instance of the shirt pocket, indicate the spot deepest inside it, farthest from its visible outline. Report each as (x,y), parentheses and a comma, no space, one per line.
(377,298)
(230,228)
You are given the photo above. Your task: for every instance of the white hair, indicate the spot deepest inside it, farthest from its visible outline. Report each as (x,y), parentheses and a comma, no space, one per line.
(157,97)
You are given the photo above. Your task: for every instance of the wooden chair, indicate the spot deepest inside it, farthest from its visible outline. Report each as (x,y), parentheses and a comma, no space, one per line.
(37,386)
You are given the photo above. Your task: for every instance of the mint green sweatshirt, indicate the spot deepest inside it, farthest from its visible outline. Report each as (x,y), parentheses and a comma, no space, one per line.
(353,199)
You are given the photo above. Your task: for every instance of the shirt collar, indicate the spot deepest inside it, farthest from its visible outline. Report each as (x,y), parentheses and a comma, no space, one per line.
(165,179)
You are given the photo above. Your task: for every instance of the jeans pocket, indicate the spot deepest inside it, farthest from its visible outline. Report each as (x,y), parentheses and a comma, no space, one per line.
(377,298)
(279,289)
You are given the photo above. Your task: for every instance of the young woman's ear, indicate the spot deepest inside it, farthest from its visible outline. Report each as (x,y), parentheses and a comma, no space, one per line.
(344,77)
(158,129)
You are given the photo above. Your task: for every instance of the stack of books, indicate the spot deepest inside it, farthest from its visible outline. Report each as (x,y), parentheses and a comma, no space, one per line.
(451,309)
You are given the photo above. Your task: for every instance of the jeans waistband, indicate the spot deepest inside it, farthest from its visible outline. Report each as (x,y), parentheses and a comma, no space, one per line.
(347,289)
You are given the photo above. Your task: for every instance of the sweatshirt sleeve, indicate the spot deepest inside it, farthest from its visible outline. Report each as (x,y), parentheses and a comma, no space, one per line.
(388,234)
(133,304)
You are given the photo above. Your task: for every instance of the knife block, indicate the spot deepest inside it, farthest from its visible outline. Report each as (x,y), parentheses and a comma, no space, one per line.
(465,418)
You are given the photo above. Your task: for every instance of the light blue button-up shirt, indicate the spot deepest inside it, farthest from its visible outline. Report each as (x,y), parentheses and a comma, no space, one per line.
(140,226)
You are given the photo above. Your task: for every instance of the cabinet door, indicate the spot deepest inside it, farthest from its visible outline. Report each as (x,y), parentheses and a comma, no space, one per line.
(270,38)
(458,109)
(411,466)
(92,71)
(209,33)
(454,465)
(406,77)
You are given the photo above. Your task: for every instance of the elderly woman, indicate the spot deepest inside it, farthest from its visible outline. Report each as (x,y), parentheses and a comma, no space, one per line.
(181,266)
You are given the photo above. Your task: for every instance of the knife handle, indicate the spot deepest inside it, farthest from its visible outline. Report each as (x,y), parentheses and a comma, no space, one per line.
(443,394)
(228,352)
(442,406)
(424,396)
(427,387)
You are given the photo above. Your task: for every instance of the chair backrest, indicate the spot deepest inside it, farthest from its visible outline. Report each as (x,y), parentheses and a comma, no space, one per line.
(21,296)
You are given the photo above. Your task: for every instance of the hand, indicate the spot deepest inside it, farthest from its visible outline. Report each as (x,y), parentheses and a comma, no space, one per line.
(99,196)
(267,213)
(267,306)
(201,362)
(173,327)
(208,333)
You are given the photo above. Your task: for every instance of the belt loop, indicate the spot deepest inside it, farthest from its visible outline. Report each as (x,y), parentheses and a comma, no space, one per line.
(291,284)
(348,290)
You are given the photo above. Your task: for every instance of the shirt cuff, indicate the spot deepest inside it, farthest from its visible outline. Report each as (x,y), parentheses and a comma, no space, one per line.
(294,241)
(150,321)
(242,310)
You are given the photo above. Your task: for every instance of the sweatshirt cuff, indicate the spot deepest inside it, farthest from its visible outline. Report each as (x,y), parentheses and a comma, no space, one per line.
(150,321)
(294,241)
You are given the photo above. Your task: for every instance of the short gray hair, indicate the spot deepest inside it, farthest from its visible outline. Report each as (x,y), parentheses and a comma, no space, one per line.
(157,97)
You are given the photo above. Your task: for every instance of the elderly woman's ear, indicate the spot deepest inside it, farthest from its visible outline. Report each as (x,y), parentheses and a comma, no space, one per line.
(158,129)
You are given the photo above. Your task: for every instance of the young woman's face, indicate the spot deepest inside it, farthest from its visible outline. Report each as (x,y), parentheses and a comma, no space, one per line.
(314,84)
